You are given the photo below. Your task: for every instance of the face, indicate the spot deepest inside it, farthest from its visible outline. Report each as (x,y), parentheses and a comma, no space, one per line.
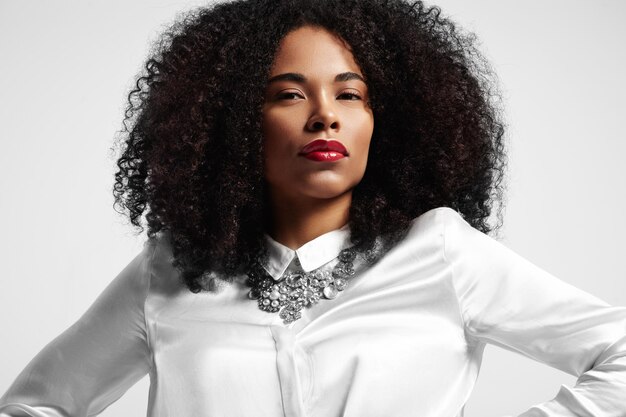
(315,91)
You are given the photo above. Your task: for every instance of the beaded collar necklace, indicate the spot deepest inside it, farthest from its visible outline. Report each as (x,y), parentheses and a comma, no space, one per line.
(297,289)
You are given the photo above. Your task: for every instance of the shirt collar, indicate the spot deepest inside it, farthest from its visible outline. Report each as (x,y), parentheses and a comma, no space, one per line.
(311,255)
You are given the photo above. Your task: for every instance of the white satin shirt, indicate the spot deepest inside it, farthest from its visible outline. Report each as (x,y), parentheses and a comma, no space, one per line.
(405,338)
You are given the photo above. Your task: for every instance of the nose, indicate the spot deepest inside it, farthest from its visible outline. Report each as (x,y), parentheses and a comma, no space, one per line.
(323,116)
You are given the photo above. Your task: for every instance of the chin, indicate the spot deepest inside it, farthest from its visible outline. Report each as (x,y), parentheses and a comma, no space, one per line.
(328,191)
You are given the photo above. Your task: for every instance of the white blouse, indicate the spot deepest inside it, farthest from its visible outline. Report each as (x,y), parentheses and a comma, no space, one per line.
(405,338)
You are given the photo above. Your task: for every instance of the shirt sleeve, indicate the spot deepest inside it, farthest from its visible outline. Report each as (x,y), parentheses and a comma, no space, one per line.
(507,301)
(93,362)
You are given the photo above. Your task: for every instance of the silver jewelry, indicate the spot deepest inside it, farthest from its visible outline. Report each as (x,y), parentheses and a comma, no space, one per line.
(297,289)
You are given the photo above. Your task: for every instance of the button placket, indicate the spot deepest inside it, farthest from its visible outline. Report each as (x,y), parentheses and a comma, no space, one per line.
(289,377)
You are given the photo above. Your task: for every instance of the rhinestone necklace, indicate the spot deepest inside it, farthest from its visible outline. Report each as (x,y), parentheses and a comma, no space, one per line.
(297,289)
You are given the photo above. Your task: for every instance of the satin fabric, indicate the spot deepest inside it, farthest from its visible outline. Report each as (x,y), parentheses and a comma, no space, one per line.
(405,338)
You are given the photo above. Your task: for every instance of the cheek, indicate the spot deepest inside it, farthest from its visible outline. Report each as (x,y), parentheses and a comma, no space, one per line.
(267,124)
(364,138)
(365,134)
(276,138)
(275,147)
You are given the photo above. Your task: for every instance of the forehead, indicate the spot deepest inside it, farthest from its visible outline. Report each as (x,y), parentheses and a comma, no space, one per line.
(313,49)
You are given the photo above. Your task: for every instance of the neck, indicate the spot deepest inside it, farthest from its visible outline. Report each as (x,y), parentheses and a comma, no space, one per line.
(295,222)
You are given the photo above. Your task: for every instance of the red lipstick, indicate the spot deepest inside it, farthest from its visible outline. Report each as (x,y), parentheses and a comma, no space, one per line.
(323,150)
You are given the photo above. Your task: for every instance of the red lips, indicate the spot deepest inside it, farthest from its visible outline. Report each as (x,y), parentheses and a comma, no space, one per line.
(321,145)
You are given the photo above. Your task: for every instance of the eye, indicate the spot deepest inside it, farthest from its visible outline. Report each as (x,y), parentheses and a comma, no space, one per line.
(352,96)
(288,95)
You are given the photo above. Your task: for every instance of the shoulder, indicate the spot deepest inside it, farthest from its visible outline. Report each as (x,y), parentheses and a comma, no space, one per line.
(426,233)
(438,215)
(128,290)
(164,277)
(455,235)
(439,220)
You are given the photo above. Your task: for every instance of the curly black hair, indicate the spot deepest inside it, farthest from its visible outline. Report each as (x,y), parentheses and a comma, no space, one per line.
(437,140)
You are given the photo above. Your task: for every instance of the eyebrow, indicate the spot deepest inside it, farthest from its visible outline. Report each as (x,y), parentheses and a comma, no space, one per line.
(300,78)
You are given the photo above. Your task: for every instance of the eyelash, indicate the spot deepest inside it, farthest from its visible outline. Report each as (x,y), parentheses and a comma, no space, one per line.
(351,94)
(358,97)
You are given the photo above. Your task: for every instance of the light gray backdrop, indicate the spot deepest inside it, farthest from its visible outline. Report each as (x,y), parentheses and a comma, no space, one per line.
(67,65)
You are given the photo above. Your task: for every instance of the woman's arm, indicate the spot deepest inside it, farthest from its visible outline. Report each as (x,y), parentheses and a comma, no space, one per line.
(96,360)
(507,301)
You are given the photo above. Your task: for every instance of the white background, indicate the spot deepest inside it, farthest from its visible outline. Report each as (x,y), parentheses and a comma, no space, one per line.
(66,66)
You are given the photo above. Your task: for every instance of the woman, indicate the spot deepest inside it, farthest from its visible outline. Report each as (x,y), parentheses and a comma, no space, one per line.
(280,278)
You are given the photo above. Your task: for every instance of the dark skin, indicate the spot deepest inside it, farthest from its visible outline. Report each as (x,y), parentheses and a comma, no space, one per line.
(309,198)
